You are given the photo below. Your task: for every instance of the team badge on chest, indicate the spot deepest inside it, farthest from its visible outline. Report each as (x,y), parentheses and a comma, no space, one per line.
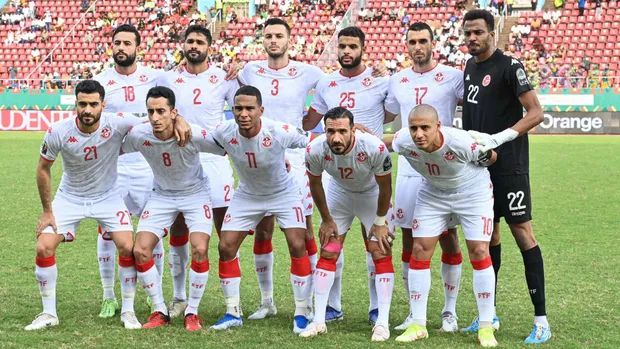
(439,77)
(105,133)
(449,155)
(361,156)
(366,82)
(486,80)
(266,142)
(213,79)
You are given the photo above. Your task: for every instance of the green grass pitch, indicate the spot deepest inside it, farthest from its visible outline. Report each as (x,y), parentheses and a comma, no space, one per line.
(576,195)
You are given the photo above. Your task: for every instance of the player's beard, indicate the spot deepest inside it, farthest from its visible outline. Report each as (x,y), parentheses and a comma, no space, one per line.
(422,61)
(200,58)
(354,63)
(343,147)
(276,55)
(127,62)
(94,118)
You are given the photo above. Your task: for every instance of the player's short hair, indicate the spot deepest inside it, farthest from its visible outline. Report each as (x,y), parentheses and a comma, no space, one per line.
(488,18)
(355,32)
(195,28)
(90,86)
(162,91)
(420,26)
(424,109)
(339,113)
(249,90)
(278,21)
(128,28)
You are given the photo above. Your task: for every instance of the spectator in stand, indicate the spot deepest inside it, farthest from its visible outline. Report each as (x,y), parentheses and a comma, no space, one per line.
(13,77)
(48,20)
(84,6)
(394,13)
(35,54)
(10,38)
(599,10)
(509,4)
(371,15)
(534,4)
(362,14)
(582,7)
(60,25)
(405,20)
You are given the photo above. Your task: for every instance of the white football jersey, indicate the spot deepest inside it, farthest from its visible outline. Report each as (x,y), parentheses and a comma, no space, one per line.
(127,94)
(200,97)
(89,160)
(354,171)
(177,170)
(363,95)
(260,160)
(440,87)
(451,167)
(284,91)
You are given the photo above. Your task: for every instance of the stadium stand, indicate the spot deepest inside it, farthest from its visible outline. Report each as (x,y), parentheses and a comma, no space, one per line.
(559,49)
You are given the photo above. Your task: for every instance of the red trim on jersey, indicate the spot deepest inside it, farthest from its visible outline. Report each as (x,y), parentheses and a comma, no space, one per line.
(426,71)
(48,160)
(451,258)
(419,265)
(262,246)
(301,266)
(119,73)
(405,256)
(200,267)
(178,241)
(144,267)
(126,262)
(45,262)
(482,264)
(311,247)
(328,264)
(230,269)
(352,76)
(277,69)
(384,265)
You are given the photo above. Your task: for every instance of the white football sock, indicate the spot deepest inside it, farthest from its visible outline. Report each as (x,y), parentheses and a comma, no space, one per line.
(419,287)
(46,273)
(372,289)
(179,260)
(106,255)
(149,278)
(335,294)
(198,277)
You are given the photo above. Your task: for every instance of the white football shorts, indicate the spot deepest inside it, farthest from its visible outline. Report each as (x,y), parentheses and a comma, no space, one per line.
(221,181)
(246,210)
(161,211)
(108,210)
(135,183)
(472,208)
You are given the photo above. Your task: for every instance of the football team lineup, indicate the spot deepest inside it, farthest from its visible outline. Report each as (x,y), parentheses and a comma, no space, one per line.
(176,174)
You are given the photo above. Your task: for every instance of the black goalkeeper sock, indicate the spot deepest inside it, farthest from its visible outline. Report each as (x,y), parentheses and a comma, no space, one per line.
(535,278)
(496,258)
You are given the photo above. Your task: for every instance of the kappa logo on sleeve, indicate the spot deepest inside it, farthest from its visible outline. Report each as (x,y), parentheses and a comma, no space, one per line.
(44,148)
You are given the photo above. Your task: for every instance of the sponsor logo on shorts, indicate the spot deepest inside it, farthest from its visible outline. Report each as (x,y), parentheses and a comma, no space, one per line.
(69,236)
(415,224)
(400,214)
(227,218)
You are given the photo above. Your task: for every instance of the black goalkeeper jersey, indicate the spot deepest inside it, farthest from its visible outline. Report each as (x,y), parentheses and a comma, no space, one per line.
(491,104)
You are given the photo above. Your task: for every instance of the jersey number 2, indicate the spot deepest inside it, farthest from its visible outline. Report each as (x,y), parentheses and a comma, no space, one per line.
(196,95)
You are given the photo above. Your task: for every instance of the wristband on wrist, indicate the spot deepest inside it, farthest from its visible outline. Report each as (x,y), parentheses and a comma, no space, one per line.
(379,221)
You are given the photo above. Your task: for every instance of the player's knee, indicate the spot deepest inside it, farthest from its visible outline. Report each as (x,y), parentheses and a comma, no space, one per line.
(226,250)
(297,247)
(418,250)
(44,250)
(478,251)
(200,252)
(524,235)
(329,254)
(142,254)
